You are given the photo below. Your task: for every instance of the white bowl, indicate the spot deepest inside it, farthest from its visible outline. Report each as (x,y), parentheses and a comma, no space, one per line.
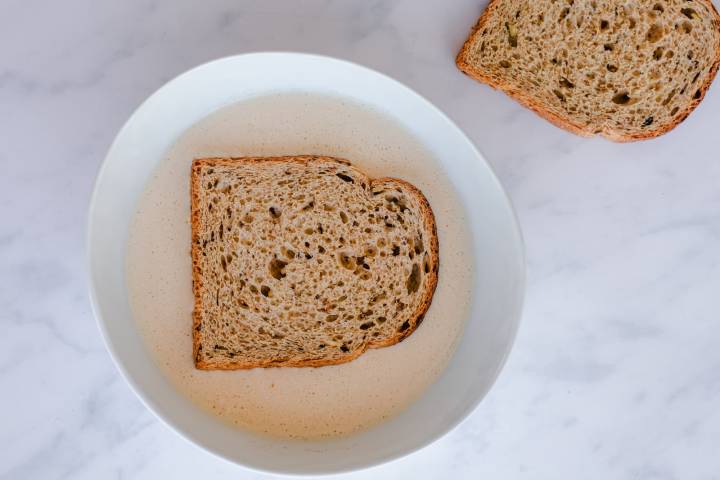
(498,251)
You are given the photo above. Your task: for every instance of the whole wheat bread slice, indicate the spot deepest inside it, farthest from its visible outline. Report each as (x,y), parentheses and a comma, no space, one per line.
(305,261)
(627,70)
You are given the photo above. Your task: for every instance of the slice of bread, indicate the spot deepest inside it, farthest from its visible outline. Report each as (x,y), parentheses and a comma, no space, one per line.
(305,261)
(624,70)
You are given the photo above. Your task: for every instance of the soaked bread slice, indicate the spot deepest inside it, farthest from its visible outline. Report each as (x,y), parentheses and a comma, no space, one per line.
(305,261)
(624,70)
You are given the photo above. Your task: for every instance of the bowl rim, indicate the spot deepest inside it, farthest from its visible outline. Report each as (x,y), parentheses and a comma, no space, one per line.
(156,410)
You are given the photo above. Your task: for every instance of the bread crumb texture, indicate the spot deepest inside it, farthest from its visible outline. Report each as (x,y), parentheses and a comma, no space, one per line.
(627,70)
(305,261)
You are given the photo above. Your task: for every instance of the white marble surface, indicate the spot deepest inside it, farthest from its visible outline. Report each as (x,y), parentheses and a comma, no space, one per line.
(616,369)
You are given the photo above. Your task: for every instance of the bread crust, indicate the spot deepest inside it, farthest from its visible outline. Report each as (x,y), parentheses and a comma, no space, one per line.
(462,62)
(415,320)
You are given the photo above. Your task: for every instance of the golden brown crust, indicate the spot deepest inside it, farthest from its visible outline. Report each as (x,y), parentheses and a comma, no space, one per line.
(415,320)
(430,226)
(194,254)
(566,123)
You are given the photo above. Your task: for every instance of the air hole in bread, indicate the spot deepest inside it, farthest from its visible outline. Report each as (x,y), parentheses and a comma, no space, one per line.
(689,13)
(276,269)
(512,34)
(413,280)
(621,98)
(345,260)
(563,13)
(565,83)
(345,178)
(669,97)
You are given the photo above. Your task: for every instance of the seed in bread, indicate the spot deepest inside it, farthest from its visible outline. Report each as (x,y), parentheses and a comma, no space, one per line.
(305,261)
(624,70)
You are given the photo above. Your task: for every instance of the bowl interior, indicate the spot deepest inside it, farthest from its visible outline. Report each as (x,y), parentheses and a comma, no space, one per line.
(498,255)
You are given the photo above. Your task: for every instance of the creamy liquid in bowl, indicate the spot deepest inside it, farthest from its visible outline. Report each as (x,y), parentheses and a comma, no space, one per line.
(295,402)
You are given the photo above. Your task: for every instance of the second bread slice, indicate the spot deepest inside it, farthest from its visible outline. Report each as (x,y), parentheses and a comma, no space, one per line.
(624,70)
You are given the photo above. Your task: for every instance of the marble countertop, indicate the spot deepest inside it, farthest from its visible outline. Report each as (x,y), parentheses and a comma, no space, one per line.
(616,370)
